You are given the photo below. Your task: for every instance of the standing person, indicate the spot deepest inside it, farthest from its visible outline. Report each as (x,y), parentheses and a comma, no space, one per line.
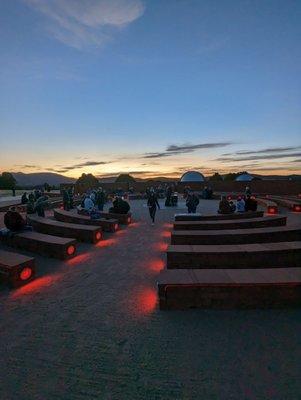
(168,196)
(248,191)
(152,204)
(192,202)
(100,199)
(71,198)
(66,200)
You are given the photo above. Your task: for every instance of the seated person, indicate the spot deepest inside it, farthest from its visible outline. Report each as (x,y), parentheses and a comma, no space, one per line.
(240,205)
(88,204)
(14,221)
(250,204)
(205,193)
(224,206)
(192,202)
(232,206)
(120,206)
(24,199)
(40,205)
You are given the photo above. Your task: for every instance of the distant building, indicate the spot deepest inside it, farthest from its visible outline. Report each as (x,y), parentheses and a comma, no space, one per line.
(192,176)
(244,178)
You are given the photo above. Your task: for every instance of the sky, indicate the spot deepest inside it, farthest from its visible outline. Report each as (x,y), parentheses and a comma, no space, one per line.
(151,88)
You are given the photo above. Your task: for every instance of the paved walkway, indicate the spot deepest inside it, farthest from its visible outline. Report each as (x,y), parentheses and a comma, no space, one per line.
(90,329)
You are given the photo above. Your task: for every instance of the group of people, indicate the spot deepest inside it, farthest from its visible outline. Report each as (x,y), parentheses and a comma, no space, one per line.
(243,204)
(35,202)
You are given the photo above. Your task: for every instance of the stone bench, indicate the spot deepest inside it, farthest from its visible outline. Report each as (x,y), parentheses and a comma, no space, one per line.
(271,206)
(218,217)
(293,205)
(16,269)
(235,256)
(108,225)
(229,288)
(263,222)
(45,245)
(123,219)
(237,236)
(83,233)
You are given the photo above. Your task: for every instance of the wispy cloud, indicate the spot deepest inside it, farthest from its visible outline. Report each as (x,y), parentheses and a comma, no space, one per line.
(184,148)
(80,165)
(260,157)
(268,150)
(87,23)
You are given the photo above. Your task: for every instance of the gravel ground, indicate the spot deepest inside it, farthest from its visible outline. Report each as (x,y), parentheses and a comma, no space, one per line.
(90,328)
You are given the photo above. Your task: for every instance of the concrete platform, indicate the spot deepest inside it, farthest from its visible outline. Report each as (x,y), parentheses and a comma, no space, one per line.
(218,217)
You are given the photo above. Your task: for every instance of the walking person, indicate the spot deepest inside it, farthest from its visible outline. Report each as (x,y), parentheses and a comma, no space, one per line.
(192,202)
(152,204)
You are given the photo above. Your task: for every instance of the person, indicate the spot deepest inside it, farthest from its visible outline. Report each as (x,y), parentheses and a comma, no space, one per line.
(66,200)
(153,204)
(120,206)
(232,206)
(71,199)
(13,220)
(100,199)
(24,199)
(30,207)
(168,196)
(250,204)
(192,202)
(248,191)
(209,192)
(205,193)
(240,205)
(88,204)
(40,205)
(224,206)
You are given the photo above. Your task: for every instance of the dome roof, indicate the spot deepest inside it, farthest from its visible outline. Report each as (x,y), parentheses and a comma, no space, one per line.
(244,178)
(192,176)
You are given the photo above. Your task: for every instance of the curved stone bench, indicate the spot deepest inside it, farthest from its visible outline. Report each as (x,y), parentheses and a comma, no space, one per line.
(271,206)
(123,219)
(17,269)
(218,217)
(90,234)
(226,224)
(229,288)
(108,225)
(45,245)
(293,205)
(235,256)
(237,236)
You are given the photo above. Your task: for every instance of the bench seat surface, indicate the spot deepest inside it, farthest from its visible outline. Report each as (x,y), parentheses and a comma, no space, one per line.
(53,222)
(42,237)
(11,259)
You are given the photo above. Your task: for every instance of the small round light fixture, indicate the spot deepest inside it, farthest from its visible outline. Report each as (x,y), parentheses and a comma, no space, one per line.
(98,236)
(70,250)
(25,274)
(297,208)
(129,220)
(272,210)
(115,227)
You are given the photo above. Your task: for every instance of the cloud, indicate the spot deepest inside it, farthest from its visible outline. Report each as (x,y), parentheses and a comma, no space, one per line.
(193,147)
(268,150)
(28,166)
(87,23)
(253,158)
(185,148)
(81,165)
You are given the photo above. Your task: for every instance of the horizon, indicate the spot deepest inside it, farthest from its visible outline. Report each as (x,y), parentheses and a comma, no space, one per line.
(150,88)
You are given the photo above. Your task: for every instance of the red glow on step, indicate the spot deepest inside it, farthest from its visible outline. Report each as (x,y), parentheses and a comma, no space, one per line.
(161,246)
(134,224)
(168,225)
(25,274)
(70,250)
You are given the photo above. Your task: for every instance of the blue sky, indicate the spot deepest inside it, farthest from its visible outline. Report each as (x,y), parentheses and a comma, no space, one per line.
(108,86)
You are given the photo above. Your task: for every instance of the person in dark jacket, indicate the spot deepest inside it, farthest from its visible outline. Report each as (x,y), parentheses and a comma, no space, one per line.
(224,206)
(24,199)
(250,204)
(100,199)
(192,202)
(14,221)
(66,200)
(153,204)
(120,206)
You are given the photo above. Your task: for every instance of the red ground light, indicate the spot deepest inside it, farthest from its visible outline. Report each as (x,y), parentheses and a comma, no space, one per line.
(115,227)
(71,250)
(25,274)
(296,208)
(272,210)
(129,220)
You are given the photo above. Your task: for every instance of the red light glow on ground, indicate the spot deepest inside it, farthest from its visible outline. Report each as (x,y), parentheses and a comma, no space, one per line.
(134,224)
(297,208)
(156,265)
(146,301)
(25,273)
(165,234)
(160,246)
(36,285)
(168,225)
(106,242)
(79,259)
(120,232)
